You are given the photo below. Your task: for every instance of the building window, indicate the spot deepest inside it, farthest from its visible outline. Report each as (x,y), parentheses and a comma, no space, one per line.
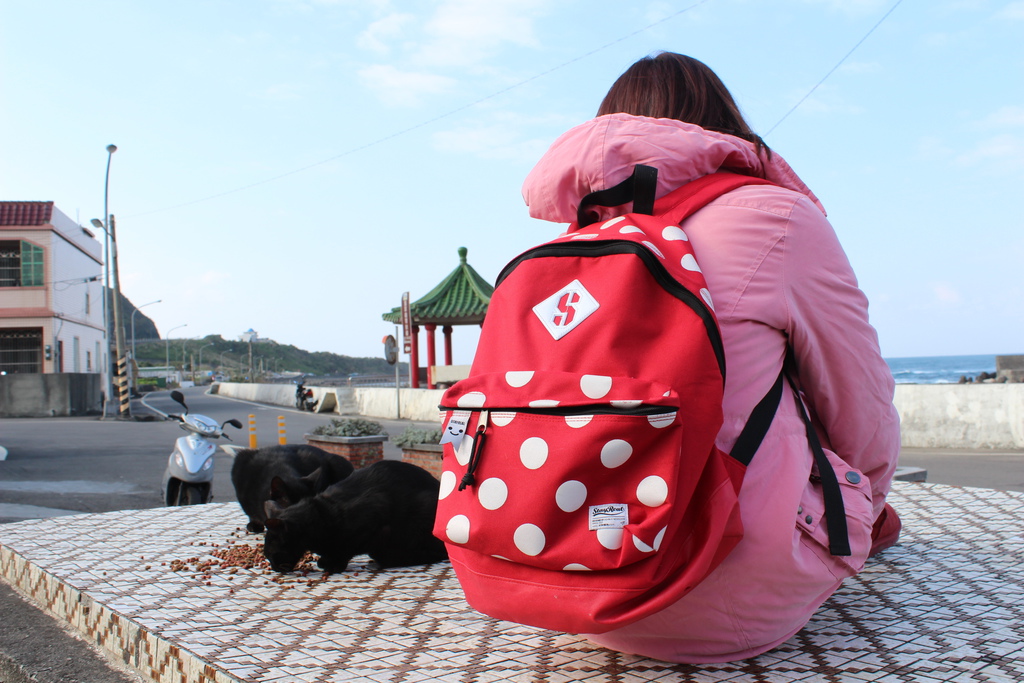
(76,358)
(21,350)
(88,361)
(21,264)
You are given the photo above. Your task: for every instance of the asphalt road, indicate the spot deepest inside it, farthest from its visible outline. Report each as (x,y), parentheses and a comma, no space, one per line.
(58,466)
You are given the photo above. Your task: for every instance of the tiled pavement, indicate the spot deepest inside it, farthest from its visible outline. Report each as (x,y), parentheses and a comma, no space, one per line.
(946,604)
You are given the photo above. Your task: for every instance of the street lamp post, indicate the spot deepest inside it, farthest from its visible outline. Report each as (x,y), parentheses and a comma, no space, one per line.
(107,379)
(167,351)
(200,360)
(134,361)
(133,322)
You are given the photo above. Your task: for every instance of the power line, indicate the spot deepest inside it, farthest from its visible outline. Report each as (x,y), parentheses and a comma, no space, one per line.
(832,70)
(428,122)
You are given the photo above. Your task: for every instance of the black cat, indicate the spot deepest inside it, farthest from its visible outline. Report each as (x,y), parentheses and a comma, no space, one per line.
(285,474)
(385,510)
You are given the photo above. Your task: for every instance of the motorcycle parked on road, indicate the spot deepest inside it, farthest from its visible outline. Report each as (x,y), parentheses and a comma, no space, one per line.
(304,397)
(188,479)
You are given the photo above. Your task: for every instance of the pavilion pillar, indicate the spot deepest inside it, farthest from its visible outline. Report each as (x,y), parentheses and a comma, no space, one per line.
(431,354)
(414,359)
(447,329)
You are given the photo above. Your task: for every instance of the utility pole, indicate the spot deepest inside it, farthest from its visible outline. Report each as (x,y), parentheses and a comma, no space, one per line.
(125,409)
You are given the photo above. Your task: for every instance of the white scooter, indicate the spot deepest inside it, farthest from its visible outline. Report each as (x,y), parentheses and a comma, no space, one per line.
(188,479)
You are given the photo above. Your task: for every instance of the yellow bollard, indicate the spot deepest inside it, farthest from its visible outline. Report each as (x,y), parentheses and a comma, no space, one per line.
(252,431)
(282,437)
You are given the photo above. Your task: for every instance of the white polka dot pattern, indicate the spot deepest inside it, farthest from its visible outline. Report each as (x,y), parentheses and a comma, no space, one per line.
(533,453)
(544,458)
(571,496)
(595,386)
(608,224)
(706,295)
(464,451)
(518,379)
(473,399)
(529,539)
(641,546)
(544,403)
(610,538)
(492,493)
(578,421)
(448,482)
(673,233)
(652,491)
(615,453)
(650,245)
(458,529)
(690,263)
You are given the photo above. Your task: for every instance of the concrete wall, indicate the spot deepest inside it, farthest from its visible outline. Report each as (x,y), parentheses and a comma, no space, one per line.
(50,395)
(932,415)
(961,415)
(417,404)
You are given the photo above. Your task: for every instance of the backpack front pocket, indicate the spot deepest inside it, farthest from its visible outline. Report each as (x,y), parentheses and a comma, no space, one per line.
(559,471)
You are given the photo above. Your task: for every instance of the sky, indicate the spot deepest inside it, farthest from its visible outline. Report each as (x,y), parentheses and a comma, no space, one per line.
(294,166)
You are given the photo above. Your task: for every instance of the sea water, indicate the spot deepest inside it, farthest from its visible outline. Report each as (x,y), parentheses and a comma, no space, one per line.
(939,369)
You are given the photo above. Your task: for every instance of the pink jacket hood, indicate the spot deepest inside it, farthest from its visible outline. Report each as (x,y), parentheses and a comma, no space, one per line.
(602,152)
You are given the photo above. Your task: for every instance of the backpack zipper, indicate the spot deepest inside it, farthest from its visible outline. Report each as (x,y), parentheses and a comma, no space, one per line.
(656,268)
(554,411)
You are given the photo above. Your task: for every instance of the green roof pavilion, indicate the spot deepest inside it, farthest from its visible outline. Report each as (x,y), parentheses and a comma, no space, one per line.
(460,299)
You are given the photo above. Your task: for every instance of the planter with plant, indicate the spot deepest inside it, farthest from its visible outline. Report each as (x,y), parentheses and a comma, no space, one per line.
(420,447)
(358,440)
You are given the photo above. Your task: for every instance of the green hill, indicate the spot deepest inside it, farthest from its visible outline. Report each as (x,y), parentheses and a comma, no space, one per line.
(231,358)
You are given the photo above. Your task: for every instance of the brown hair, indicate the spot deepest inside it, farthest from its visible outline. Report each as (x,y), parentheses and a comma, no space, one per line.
(673,86)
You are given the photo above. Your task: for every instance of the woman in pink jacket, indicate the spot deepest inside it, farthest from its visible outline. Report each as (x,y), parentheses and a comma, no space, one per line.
(781,284)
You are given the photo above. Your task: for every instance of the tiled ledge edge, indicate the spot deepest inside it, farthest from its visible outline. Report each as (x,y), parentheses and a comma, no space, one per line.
(120,638)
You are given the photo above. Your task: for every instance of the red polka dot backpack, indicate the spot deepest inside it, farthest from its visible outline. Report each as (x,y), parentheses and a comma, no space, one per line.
(582,488)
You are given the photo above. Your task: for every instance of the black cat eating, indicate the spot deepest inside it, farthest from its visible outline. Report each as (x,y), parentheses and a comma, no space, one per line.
(385,510)
(285,474)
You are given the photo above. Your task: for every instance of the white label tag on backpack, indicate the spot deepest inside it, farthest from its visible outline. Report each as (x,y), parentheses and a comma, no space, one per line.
(609,516)
(456,428)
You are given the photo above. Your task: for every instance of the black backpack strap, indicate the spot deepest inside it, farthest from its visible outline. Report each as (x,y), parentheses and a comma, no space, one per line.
(639,188)
(835,510)
(753,434)
(758,423)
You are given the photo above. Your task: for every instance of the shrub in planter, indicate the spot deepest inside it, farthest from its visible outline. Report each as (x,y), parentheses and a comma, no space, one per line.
(359,441)
(349,427)
(420,447)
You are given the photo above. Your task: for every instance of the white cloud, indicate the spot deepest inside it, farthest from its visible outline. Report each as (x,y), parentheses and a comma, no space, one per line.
(1008,116)
(1000,151)
(851,7)
(504,136)
(397,87)
(945,294)
(459,37)
(465,32)
(1013,10)
(383,34)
